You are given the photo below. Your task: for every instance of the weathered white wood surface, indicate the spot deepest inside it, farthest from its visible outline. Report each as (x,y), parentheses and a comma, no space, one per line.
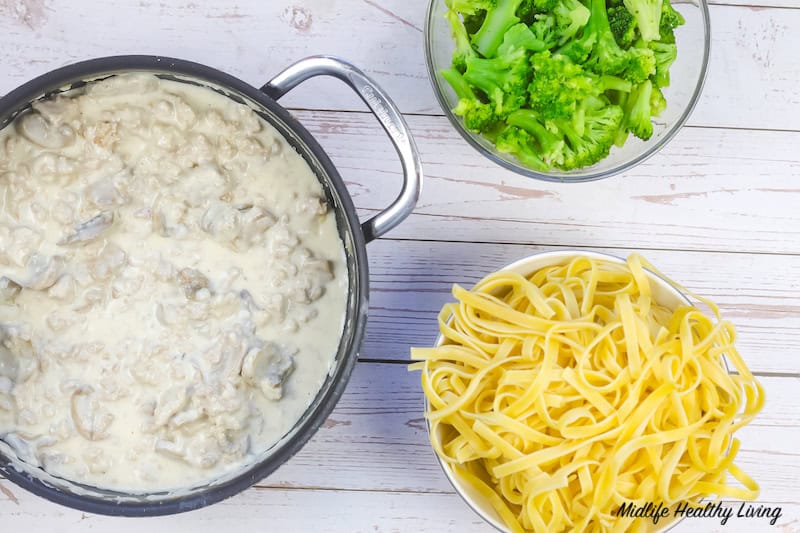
(377,429)
(758,293)
(717,209)
(322,511)
(752,80)
(709,189)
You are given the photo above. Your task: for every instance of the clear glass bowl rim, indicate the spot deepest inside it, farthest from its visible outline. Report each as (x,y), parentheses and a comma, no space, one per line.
(578,176)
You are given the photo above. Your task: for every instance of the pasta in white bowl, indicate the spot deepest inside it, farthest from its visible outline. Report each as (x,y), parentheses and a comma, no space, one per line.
(570,384)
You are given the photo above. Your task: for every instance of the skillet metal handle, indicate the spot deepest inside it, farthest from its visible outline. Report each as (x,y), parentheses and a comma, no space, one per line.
(387,114)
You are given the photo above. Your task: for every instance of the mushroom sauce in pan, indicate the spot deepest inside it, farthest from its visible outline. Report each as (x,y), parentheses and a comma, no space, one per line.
(172,285)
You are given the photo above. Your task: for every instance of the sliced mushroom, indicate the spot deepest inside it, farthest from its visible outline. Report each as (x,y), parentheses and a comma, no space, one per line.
(267,368)
(91,422)
(41,132)
(58,109)
(192,281)
(89,230)
(9,289)
(43,271)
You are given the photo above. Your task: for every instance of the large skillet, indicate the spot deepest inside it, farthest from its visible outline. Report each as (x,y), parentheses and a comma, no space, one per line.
(354,235)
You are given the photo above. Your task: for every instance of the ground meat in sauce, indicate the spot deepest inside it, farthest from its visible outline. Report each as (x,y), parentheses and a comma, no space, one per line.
(172,285)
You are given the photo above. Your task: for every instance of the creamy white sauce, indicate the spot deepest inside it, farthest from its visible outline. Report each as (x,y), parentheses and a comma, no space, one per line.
(172,285)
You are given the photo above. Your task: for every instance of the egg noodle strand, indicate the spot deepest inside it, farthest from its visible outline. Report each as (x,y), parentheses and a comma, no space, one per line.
(561,396)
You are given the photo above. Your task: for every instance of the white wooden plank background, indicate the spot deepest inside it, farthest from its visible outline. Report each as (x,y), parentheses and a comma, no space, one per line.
(709,189)
(717,209)
(751,84)
(377,427)
(758,292)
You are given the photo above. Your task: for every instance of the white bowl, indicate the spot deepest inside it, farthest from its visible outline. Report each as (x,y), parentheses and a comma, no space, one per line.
(663,293)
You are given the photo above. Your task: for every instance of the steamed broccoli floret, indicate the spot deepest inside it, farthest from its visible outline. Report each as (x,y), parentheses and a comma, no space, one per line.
(648,17)
(520,36)
(664,54)
(544,29)
(470,7)
(499,18)
(551,145)
(623,26)
(477,115)
(463,49)
(670,19)
(605,55)
(527,11)
(638,111)
(602,123)
(558,82)
(613,83)
(458,83)
(473,22)
(562,144)
(579,48)
(622,133)
(571,16)
(521,144)
(641,64)
(558,85)
(504,79)
(657,102)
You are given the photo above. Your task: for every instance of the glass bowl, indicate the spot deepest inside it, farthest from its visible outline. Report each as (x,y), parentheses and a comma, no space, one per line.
(687,76)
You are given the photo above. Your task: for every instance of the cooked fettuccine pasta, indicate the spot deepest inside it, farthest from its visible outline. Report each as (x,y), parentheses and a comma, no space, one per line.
(562,395)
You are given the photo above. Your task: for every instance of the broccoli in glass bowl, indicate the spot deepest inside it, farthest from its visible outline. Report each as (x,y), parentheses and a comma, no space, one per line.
(567,90)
